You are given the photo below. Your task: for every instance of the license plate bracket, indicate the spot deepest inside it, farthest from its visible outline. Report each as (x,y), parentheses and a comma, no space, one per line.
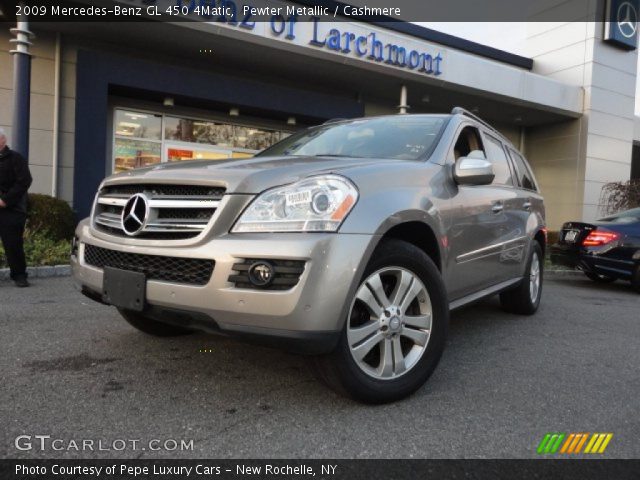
(124,288)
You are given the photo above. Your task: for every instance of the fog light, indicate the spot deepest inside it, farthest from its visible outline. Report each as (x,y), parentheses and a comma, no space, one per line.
(261,274)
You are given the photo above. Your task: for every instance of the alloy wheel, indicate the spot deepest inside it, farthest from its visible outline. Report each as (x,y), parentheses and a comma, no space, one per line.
(389,323)
(534,277)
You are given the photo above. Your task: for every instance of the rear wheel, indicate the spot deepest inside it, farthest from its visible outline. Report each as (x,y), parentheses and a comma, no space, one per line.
(525,298)
(395,332)
(151,326)
(596,277)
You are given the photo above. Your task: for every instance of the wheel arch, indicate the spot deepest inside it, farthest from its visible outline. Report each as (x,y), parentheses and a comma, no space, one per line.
(541,237)
(420,235)
(415,228)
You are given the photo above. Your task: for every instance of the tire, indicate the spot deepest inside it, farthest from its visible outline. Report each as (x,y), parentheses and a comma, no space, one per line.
(525,298)
(596,277)
(150,326)
(413,287)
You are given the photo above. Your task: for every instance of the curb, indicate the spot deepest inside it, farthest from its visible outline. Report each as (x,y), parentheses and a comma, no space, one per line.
(41,272)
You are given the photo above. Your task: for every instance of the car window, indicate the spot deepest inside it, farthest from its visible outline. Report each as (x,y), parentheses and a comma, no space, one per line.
(403,137)
(628,216)
(468,141)
(524,175)
(497,156)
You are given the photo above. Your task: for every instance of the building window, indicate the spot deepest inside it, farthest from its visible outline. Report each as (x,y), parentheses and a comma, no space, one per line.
(195,131)
(137,140)
(138,125)
(142,139)
(133,153)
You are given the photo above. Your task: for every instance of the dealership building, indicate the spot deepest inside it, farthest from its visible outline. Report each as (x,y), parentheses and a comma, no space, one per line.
(107,97)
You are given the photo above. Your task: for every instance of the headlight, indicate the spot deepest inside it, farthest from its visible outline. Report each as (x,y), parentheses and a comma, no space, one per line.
(315,204)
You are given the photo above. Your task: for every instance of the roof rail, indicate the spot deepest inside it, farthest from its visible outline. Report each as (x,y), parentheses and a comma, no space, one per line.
(467,113)
(334,120)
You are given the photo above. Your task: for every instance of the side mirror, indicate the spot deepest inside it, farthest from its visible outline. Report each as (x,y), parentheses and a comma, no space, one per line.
(473,171)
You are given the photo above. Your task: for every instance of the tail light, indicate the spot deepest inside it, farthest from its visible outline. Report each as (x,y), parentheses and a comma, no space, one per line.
(598,238)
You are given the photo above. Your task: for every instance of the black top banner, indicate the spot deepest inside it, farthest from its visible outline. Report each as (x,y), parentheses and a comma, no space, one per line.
(306,10)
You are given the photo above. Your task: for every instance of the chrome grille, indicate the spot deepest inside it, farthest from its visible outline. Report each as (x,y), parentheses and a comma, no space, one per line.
(175,211)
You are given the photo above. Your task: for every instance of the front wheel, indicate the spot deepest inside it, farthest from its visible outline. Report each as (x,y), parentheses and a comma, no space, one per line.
(395,331)
(151,326)
(525,298)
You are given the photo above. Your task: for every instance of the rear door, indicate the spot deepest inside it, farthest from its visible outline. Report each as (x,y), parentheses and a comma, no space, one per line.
(529,200)
(513,238)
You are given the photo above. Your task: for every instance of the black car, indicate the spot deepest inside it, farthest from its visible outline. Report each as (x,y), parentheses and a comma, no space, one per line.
(605,250)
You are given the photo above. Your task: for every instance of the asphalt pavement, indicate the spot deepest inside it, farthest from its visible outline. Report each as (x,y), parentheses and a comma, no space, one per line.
(73,370)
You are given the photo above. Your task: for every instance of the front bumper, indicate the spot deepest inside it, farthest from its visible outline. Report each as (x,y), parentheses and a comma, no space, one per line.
(311,314)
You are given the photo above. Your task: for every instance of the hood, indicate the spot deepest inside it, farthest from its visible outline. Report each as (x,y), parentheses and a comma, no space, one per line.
(252,176)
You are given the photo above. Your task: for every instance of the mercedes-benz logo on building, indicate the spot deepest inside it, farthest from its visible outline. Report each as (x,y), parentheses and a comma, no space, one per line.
(135,214)
(627,19)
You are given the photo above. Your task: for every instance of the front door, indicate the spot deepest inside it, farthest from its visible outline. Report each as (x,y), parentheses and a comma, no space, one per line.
(482,229)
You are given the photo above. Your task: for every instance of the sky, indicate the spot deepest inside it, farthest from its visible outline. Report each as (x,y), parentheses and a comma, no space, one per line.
(505,36)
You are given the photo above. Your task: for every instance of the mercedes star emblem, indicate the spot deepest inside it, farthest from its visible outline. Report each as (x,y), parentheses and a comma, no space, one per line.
(627,19)
(135,214)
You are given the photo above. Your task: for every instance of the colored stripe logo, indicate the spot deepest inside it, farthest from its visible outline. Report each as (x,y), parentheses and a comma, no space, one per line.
(573,443)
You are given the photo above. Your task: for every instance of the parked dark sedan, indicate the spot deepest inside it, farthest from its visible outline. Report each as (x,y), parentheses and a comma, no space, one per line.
(605,250)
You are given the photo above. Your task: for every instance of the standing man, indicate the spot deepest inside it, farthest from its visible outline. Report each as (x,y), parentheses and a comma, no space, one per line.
(15,180)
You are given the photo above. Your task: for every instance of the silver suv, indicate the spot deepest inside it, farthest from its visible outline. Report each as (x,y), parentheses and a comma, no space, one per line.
(350,241)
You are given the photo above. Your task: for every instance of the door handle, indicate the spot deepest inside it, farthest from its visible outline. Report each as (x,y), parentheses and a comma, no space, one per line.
(497,208)
(526,205)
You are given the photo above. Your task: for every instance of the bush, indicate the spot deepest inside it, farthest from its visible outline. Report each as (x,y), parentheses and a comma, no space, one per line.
(41,250)
(50,218)
(618,196)
(47,237)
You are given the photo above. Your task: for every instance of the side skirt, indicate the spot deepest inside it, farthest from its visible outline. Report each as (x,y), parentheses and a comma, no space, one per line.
(487,292)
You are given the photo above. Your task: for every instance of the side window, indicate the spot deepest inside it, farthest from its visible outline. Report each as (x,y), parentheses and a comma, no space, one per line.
(468,141)
(497,156)
(525,177)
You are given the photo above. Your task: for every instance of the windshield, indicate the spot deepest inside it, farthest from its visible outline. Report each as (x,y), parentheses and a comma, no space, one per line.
(403,137)
(628,216)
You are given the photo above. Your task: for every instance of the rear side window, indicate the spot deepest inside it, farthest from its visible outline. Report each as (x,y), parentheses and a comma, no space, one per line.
(523,173)
(497,156)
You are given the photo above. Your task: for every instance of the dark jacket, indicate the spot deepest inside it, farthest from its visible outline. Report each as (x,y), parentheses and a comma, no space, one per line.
(15,180)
